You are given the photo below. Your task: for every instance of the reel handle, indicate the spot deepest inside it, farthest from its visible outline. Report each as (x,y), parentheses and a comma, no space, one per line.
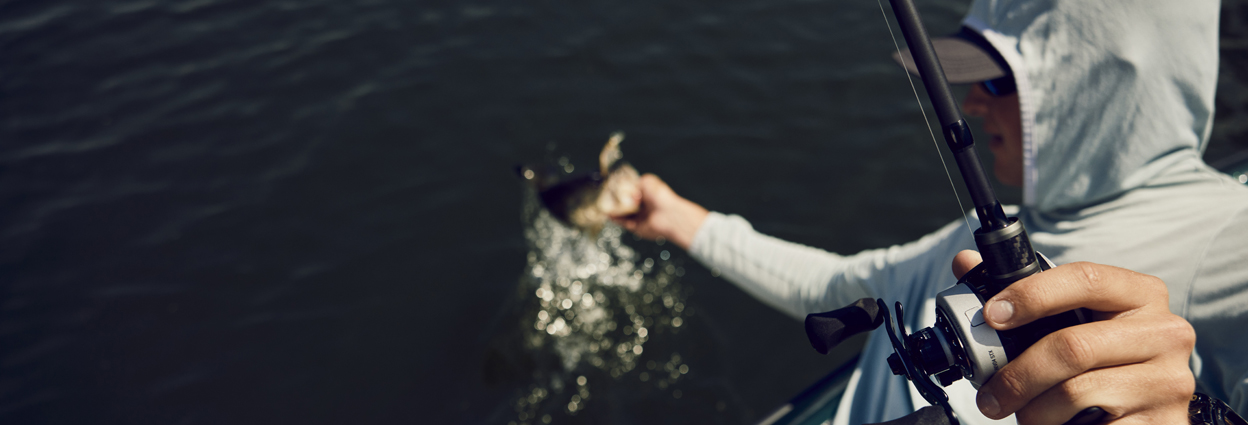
(829,329)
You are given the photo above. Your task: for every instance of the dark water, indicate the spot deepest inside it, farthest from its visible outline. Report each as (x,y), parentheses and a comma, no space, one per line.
(219,211)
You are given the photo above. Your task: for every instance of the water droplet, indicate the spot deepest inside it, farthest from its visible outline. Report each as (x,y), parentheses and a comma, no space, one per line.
(714,272)
(528,174)
(684,368)
(644,377)
(567,169)
(545,419)
(582,322)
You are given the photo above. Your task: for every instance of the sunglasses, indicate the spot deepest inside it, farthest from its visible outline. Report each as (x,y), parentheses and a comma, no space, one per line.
(1003,86)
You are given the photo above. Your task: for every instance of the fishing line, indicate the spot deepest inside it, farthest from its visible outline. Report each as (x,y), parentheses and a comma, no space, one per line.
(917,99)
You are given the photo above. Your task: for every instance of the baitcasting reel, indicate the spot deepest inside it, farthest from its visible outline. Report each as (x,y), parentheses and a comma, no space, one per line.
(960,345)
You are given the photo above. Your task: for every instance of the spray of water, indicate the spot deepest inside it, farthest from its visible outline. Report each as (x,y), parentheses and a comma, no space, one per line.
(595,304)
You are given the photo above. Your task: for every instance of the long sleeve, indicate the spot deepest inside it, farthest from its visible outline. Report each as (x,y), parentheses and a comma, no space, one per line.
(798,280)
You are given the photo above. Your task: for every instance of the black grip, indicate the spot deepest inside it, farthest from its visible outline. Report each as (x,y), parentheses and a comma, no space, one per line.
(1008,256)
(827,330)
(933,415)
(930,415)
(1090,416)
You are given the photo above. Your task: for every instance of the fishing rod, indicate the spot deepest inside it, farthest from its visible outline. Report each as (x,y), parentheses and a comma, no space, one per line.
(957,346)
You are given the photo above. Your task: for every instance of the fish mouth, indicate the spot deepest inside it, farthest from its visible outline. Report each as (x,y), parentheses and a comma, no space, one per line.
(581,191)
(586,201)
(563,197)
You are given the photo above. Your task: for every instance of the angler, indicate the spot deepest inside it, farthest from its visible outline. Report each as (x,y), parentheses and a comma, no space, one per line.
(1100,112)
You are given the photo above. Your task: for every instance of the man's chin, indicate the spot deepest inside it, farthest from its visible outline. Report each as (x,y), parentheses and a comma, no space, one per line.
(995,142)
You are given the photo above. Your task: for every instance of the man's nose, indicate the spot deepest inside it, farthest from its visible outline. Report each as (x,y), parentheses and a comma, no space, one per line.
(976,102)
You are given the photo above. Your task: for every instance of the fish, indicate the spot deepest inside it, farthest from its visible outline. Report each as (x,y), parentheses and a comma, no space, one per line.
(587,201)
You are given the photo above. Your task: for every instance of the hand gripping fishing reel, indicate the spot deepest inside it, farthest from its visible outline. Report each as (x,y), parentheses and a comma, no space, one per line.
(960,344)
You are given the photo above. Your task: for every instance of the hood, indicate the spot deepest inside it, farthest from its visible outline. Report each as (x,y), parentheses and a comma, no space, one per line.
(1112,94)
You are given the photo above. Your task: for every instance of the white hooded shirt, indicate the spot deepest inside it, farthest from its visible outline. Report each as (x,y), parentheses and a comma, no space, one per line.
(1116,102)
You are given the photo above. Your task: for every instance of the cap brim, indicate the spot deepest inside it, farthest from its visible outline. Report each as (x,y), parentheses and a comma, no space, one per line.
(963,61)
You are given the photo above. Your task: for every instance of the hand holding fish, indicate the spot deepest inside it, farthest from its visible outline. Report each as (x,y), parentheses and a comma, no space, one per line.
(1132,360)
(664,214)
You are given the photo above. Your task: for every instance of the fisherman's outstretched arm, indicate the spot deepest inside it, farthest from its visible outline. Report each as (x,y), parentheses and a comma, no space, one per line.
(799,280)
(793,278)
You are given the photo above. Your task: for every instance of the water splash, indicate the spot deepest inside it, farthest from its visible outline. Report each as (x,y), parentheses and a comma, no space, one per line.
(595,304)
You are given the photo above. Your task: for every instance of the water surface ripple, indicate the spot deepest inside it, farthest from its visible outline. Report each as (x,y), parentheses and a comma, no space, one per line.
(304,211)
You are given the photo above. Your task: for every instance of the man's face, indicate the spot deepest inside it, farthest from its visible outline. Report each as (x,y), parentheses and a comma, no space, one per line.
(1004,125)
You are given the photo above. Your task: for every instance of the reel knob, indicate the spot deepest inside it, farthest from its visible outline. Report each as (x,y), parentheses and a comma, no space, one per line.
(894,363)
(948,377)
